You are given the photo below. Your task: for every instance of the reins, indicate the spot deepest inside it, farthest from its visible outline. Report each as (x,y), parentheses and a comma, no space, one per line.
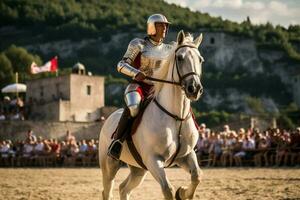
(163,81)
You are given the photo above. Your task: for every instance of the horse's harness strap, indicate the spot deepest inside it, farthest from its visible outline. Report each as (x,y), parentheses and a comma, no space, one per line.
(134,152)
(186,45)
(179,134)
(186,75)
(170,114)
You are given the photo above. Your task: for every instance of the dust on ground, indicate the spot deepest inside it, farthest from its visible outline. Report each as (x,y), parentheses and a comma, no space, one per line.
(86,184)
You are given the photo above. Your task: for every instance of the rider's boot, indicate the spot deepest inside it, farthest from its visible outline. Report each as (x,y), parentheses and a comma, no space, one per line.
(115,148)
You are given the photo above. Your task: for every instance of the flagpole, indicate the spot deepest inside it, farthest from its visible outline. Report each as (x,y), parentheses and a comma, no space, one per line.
(17,80)
(56,57)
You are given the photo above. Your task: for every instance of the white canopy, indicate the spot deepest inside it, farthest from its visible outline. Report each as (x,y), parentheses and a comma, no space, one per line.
(14,88)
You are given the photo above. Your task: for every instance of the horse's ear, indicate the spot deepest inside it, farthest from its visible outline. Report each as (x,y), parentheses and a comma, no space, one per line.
(180,37)
(198,40)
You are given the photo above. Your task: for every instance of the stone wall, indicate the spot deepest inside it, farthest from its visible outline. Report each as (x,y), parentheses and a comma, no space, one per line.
(16,130)
(70,97)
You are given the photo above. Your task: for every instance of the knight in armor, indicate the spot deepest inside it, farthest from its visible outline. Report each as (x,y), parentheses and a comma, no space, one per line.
(141,58)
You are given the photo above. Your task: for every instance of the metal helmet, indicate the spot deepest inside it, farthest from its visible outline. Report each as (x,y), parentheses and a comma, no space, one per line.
(155,18)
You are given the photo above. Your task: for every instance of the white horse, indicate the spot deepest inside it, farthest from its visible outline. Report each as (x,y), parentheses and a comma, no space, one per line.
(167,134)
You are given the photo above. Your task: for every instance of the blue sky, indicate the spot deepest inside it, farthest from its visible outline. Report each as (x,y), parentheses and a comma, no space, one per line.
(283,12)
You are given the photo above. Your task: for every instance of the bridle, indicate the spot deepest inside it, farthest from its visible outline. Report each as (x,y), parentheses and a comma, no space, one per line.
(180,83)
(181,77)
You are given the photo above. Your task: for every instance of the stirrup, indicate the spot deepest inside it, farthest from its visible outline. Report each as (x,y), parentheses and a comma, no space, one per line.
(115,148)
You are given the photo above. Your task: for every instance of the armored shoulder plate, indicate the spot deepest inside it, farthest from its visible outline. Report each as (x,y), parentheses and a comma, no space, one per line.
(125,65)
(133,49)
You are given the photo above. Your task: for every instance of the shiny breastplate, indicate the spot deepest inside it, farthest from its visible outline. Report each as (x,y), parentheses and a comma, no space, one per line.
(154,56)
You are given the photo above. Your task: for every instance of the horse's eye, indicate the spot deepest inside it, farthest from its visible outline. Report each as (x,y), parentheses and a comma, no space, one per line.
(180,57)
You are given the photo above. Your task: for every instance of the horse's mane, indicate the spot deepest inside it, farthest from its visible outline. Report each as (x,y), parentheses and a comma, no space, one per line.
(163,71)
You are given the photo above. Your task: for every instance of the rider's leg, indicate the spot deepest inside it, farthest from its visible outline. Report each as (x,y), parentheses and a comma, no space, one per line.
(133,100)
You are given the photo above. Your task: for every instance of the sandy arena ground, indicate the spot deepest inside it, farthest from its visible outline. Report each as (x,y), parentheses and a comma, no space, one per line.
(75,183)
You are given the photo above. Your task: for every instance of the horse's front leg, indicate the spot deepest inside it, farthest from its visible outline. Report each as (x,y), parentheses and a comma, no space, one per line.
(156,168)
(190,164)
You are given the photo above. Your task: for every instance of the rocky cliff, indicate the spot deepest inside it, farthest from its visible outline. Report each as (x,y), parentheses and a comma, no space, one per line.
(235,68)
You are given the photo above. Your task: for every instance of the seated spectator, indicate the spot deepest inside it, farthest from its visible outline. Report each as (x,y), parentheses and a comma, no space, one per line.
(55,152)
(246,151)
(284,141)
(82,148)
(4,153)
(202,128)
(55,147)
(6,106)
(202,147)
(270,154)
(217,148)
(4,149)
(262,147)
(228,148)
(28,152)
(294,148)
(91,152)
(226,130)
(82,154)
(64,150)
(15,116)
(39,147)
(2,116)
(72,153)
(39,152)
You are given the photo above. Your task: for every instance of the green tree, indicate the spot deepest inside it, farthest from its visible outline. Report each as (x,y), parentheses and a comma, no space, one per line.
(6,70)
(21,60)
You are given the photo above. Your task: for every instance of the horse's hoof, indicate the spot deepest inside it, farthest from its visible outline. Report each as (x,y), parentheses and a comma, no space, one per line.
(177,196)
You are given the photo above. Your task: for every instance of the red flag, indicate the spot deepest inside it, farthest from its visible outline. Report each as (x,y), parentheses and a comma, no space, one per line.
(50,66)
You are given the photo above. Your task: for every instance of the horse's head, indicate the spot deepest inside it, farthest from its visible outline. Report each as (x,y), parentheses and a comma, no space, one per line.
(188,63)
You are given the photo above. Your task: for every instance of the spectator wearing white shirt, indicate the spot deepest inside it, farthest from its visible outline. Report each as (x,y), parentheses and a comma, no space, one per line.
(28,151)
(4,149)
(4,152)
(39,152)
(247,146)
(229,144)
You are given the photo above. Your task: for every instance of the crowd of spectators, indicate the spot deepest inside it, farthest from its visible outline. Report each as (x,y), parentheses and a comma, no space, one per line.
(272,147)
(37,151)
(226,148)
(12,109)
